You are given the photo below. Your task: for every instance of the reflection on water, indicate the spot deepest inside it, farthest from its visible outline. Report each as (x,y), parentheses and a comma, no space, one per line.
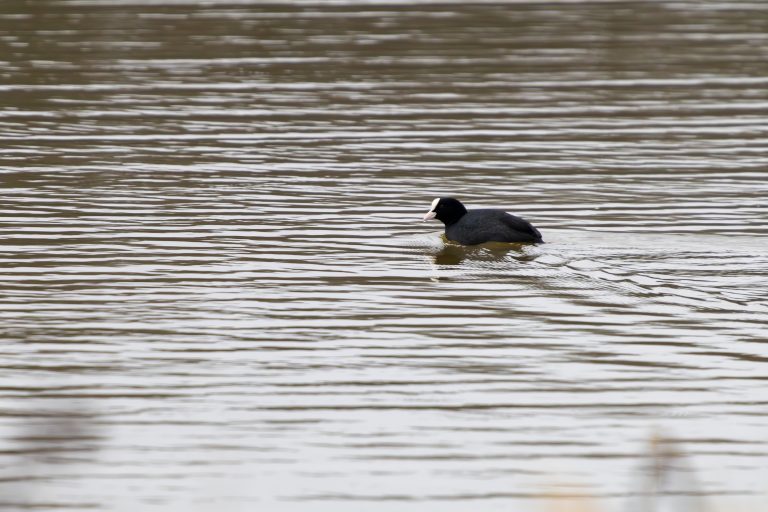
(217,291)
(455,254)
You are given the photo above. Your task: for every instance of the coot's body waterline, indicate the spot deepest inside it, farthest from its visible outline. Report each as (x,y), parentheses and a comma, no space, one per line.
(472,227)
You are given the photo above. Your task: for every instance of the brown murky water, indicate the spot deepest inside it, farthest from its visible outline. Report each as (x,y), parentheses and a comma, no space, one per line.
(217,294)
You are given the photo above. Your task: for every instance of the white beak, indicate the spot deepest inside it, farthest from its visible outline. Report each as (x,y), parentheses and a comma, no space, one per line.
(429,216)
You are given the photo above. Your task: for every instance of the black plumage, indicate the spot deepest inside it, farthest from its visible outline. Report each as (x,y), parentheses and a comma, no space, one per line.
(471,227)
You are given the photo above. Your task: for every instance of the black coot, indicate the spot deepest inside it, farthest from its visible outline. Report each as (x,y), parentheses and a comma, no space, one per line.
(470,227)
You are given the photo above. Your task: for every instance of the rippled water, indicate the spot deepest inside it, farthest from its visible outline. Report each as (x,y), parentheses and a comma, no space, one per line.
(217,294)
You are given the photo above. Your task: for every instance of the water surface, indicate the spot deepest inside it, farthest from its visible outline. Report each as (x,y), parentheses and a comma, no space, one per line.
(217,293)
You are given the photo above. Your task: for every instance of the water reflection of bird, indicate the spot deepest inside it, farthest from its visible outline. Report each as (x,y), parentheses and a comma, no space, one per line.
(472,227)
(453,254)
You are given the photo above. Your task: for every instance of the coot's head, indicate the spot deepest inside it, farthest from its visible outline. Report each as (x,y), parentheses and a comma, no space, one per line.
(446,209)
